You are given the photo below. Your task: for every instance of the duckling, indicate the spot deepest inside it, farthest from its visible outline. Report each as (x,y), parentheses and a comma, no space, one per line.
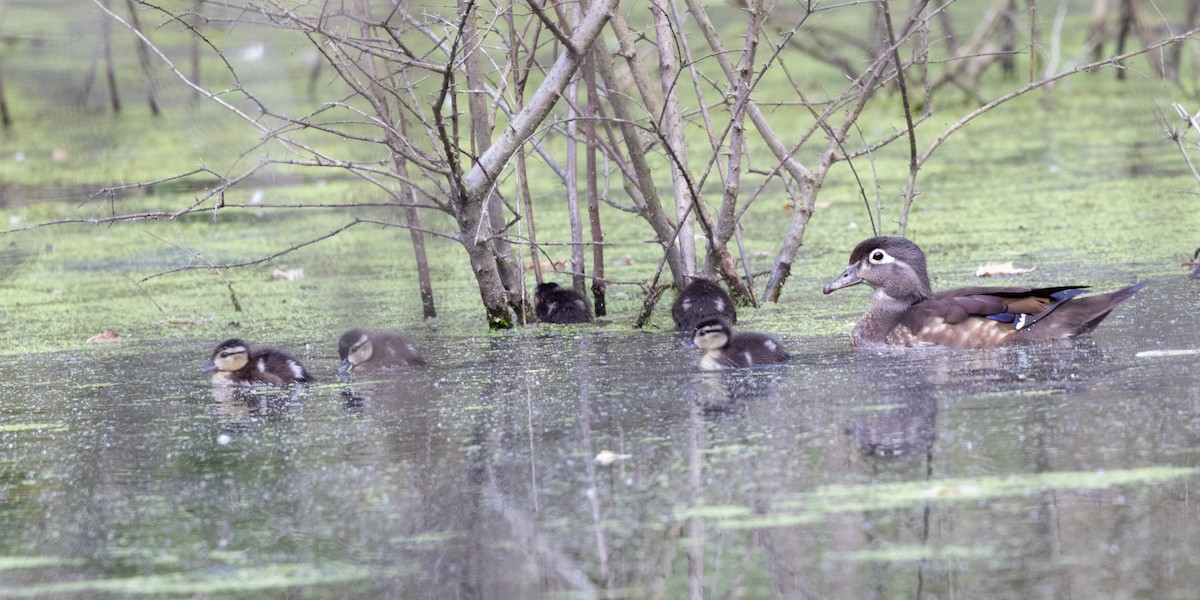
(904,311)
(364,350)
(234,363)
(724,349)
(554,304)
(701,300)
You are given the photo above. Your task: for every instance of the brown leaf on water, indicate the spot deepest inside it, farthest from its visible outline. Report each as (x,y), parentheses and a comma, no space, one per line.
(548,265)
(107,336)
(288,275)
(179,321)
(1000,269)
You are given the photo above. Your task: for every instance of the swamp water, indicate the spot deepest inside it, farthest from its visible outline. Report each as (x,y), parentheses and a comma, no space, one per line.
(1059,470)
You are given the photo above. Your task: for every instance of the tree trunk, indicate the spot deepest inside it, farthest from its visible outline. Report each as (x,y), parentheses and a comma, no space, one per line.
(477,183)
(143,53)
(481,138)
(599,304)
(670,126)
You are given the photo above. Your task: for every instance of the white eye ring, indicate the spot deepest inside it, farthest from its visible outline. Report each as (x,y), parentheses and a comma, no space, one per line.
(879,257)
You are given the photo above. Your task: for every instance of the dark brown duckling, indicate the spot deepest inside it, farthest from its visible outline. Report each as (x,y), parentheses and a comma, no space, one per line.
(904,311)
(554,304)
(699,301)
(368,350)
(724,349)
(234,363)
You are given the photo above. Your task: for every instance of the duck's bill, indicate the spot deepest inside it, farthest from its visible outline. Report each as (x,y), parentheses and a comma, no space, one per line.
(848,278)
(345,367)
(209,368)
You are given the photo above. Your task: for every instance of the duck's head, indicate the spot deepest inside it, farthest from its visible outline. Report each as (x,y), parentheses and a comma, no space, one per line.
(711,334)
(892,265)
(230,355)
(354,349)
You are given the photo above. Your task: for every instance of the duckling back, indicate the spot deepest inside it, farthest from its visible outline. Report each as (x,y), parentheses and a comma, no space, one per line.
(724,349)
(364,350)
(554,304)
(233,362)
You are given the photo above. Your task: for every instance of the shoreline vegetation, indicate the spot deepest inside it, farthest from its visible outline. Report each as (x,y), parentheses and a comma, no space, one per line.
(1077,179)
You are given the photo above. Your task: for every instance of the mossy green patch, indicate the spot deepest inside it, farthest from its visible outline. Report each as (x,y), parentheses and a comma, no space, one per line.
(900,554)
(818,505)
(1075,181)
(9,563)
(39,427)
(272,577)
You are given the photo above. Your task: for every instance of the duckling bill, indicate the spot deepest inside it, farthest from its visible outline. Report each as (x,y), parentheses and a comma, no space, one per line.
(366,350)
(554,304)
(724,349)
(235,363)
(904,311)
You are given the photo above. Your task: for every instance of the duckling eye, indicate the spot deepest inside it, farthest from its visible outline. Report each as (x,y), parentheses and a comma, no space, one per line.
(880,257)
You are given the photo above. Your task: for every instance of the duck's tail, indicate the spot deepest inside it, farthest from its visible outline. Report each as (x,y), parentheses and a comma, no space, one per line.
(1077,316)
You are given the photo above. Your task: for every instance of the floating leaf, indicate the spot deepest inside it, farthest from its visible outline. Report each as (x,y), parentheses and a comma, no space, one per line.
(107,336)
(288,275)
(999,269)
(607,457)
(1162,353)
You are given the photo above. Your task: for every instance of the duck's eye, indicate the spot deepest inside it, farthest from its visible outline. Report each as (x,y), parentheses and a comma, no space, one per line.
(878,256)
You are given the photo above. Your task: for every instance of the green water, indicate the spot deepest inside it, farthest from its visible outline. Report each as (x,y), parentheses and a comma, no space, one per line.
(1050,471)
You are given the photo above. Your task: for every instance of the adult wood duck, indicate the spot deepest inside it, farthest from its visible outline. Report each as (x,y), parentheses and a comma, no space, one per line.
(699,301)
(553,304)
(234,363)
(365,350)
(904,311)
(724,349)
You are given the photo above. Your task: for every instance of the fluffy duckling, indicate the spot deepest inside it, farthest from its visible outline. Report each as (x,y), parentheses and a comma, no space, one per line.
(905,311)
(554,304)
(365,350)
(724,349)
(234,363)
(699,301)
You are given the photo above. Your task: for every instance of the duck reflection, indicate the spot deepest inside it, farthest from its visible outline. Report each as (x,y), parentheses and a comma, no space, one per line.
(390,389)
(902,423)
(718,392)
(253,404)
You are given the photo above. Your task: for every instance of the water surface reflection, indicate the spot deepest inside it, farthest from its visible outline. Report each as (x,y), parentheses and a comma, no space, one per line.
(1054,470)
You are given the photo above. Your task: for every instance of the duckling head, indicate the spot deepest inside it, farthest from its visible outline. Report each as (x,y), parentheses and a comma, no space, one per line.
(711,334)
(230,355)
(354,349)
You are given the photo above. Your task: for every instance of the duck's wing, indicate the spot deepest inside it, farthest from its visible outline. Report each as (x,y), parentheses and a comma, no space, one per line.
(978,317)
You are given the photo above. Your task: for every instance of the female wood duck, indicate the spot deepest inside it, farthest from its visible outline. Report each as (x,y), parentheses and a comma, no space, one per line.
(365,350)
(724,349)
(699,301)
(234,363)
(904,310)
(553,304)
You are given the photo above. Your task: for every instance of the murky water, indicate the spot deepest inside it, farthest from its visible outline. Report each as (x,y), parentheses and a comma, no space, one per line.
(1063,470)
